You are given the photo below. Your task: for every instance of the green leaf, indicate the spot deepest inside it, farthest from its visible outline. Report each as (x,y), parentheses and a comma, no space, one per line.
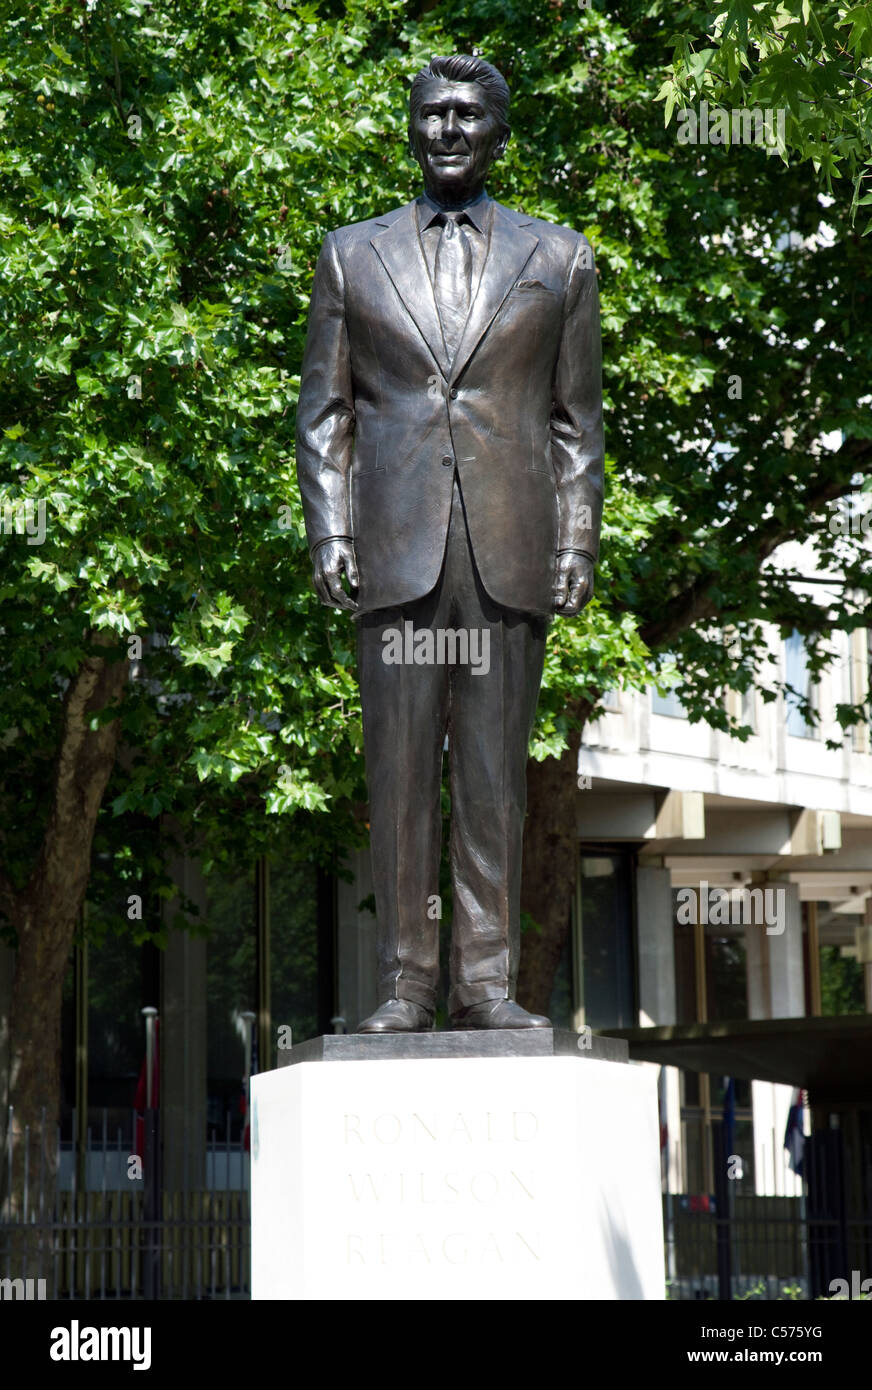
(60,53)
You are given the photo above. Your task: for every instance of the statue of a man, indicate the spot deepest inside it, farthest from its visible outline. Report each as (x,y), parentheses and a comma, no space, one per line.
(450,460)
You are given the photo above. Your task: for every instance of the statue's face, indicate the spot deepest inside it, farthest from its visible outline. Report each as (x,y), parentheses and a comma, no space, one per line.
(456,137)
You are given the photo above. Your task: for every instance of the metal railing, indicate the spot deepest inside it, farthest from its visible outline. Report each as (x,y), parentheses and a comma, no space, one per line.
(104,1225)
(107,1228)
(737,1244)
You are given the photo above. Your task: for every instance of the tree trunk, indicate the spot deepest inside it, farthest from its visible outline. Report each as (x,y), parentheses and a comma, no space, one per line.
(549,871)
(44,914)
(35,1058)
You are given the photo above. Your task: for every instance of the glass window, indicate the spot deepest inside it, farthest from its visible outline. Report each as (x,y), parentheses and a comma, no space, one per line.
(231,958)
(605,940)
(797,676)
(116,1031)
(294,914)
(726,971)
(749,709)
(858,658)
(668,704)
(842,982)
(560,1008)
(685,974)
(726,974)
(842,990)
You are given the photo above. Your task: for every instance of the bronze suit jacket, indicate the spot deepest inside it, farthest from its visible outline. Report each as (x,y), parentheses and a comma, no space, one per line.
(383,417)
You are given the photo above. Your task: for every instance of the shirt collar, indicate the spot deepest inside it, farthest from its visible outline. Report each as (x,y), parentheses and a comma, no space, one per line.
(477,211)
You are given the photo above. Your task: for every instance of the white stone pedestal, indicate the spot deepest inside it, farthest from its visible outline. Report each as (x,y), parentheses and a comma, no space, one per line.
(460,1178)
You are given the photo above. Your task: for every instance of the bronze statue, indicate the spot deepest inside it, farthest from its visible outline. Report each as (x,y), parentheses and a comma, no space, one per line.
(450,460)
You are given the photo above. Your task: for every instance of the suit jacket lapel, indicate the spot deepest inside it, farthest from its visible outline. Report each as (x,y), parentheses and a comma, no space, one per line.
(399,249)
(511,246)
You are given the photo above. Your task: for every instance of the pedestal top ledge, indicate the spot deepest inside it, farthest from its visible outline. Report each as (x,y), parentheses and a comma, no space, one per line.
(495,1042)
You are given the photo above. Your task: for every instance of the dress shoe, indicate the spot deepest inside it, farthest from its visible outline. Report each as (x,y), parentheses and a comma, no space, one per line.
(498,1013)
(398,1016)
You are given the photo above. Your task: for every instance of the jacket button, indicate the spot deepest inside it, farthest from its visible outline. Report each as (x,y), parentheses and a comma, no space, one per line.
(447,460)
(453,393)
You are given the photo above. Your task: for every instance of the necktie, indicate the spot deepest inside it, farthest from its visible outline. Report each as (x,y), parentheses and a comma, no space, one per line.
(452,276)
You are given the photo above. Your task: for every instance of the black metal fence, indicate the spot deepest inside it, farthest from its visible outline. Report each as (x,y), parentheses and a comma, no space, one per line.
(733,1244)
(105,1225)
(108,1227)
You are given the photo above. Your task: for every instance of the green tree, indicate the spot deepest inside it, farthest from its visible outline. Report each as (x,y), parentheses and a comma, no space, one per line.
(810,58)
(162,651)
(842,989)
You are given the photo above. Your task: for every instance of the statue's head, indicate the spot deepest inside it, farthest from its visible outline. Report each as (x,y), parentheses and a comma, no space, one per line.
(458,124)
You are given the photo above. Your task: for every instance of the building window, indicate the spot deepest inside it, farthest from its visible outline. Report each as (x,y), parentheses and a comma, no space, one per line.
(603,958)
(270,957)
(714,954)
(832,940)
(118,988)
(711,979)
(726,973)
(796,675)
(741,705)
(749,709)
(296,953)
(668,704)
(231,973)
(858,671)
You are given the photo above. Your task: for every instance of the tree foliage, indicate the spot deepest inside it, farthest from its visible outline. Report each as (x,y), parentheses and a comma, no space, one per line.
(812,60)
(167,174)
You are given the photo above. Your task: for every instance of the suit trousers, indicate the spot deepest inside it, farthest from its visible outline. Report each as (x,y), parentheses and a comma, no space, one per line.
(415,687)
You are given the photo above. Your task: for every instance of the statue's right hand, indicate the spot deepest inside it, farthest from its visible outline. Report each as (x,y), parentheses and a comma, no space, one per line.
(329,563)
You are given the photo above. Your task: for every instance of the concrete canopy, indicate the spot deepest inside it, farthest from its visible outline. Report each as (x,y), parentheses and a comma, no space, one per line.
(829,1057)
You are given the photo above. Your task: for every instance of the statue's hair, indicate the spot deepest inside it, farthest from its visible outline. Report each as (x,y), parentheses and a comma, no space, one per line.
(464,67)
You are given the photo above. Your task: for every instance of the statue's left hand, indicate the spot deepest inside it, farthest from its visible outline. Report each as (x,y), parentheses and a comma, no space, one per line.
(573,583)
(330,561)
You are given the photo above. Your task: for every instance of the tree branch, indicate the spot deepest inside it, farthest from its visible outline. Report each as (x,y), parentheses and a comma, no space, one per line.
(696,602)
